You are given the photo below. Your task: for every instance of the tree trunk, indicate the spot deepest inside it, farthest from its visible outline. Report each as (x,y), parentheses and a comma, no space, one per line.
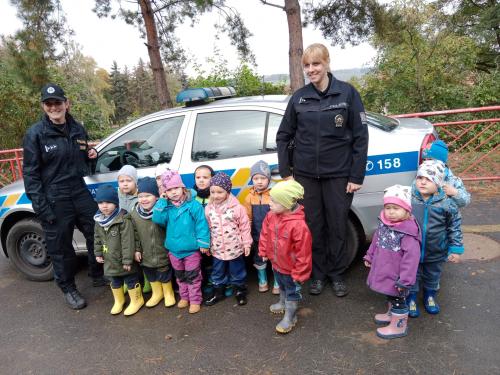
(293,16)
(154,54)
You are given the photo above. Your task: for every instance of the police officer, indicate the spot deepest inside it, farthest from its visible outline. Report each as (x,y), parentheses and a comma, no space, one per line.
(56,158)
(327,124)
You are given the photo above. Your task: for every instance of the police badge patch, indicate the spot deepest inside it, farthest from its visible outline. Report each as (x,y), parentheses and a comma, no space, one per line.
(363,117)
(339,120)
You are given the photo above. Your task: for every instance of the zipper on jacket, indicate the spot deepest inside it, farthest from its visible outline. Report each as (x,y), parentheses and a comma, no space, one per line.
(276,243)
(317,140)
(424,229)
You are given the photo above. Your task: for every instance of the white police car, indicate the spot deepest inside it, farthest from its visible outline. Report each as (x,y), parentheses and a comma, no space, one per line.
(229,135)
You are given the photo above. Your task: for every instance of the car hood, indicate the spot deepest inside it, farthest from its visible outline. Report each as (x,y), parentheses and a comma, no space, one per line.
(15,187)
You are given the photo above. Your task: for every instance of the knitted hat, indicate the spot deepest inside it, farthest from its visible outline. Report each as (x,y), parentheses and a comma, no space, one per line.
(223,180)
(400,195)
(438,150)
(262,168)
(160,168)
(287,193)
(171,179)
(432,169)
(107,193)
(148,185)
(128,170)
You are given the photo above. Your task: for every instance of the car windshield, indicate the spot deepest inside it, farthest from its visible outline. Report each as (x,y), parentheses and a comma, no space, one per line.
(382,122)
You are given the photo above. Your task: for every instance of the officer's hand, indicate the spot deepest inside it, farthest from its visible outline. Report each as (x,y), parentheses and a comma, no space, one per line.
(127,267)
(352,187)
(99,259)
(92,153)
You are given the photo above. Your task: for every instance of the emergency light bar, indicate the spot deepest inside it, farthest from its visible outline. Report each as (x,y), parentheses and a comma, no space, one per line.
(200,95)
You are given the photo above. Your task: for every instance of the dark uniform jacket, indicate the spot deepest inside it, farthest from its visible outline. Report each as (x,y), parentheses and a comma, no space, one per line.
(116,244)
(52,158)
(330,133)
(149,239)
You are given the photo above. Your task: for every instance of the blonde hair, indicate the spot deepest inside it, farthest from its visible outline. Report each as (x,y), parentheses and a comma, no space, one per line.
(315,52)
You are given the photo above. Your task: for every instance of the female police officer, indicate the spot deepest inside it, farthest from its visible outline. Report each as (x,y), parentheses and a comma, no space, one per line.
(327,122)
(56,157)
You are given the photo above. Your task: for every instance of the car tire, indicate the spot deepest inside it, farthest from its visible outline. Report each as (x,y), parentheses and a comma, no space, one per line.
(354,239)
(28,252)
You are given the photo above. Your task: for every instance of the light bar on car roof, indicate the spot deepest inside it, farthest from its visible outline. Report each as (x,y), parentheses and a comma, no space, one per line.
(199,95)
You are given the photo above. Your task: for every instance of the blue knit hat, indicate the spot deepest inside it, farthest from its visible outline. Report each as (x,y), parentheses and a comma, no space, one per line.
(107,193)
(438,151)
(148,185)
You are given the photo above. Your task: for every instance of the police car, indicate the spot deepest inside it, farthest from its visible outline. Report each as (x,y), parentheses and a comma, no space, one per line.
(229,134)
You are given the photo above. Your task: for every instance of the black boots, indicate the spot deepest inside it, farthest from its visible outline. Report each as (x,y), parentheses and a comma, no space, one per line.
(241,295)
(74,299)
(216,296)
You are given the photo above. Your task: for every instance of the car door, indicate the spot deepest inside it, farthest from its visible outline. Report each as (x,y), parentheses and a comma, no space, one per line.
(231,139)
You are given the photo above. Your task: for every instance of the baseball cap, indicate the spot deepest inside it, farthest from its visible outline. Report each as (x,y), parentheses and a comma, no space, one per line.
(52,91)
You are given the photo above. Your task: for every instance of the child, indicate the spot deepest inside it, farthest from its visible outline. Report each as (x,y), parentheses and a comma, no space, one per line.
(114,246)
(453,185)
(127,194)
(286,241)
(187,235)
(159,170)
(127,187)
(230,239)
(257,206)
(202,176)
(149,239)
(440,220)
(393,259)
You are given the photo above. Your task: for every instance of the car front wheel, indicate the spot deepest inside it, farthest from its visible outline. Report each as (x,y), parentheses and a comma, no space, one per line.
(28,252)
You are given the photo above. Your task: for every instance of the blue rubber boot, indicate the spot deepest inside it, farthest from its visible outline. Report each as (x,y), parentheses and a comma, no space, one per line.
(430,303)
(412,305)
(262,275)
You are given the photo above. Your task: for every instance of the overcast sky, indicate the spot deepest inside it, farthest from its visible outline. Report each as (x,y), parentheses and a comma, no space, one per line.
(107,40)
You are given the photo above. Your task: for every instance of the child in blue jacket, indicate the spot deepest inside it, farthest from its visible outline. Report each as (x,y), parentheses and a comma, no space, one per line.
(187,236)
(440,221)
(452,185)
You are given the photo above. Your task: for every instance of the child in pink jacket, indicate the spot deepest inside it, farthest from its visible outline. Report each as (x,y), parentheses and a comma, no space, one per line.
(230,239)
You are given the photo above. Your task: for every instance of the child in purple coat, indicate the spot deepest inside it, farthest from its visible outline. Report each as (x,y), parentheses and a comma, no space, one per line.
(393,259)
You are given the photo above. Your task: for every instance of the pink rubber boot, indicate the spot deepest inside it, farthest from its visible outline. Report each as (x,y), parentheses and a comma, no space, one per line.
(384,318)
(397,328)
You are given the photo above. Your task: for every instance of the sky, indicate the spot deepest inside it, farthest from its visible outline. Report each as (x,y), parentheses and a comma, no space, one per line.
(106,40)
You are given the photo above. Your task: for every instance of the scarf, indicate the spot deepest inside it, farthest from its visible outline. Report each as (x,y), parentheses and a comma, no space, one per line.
(105,221)
(146,215)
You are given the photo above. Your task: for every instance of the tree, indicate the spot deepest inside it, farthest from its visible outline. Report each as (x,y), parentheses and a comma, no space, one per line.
(421,65)
(119,93)
(295,43)
(158,19)
(33,48)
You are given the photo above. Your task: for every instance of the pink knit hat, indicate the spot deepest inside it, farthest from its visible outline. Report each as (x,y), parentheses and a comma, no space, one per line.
(400,195)
(171,179)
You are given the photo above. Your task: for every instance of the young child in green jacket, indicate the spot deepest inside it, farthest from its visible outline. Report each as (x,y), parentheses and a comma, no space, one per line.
(149,239)
(114,246)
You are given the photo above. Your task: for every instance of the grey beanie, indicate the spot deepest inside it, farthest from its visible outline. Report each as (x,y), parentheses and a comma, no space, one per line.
(261,167)
(128,170)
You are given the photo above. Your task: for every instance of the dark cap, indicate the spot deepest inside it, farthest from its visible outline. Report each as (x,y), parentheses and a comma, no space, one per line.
(52,91)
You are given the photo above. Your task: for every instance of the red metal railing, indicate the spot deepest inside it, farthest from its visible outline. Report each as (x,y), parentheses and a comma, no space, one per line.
(474,144)
(10,165)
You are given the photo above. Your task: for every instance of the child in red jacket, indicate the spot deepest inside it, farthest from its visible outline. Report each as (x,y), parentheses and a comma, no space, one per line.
(286,241)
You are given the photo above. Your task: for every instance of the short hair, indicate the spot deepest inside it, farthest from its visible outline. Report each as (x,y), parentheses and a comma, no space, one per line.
(316,51)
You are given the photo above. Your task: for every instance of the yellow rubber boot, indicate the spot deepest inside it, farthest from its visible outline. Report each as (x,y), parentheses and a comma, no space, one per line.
(168,292)
(157,295)
(136,300)
(119,300)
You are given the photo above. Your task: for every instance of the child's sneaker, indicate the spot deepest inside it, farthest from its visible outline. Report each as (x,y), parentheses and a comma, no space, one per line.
(430,303)
(228,292)
(412,305)
(241,296)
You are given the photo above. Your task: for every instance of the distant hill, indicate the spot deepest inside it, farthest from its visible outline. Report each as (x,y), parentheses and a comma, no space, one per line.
(342,74)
